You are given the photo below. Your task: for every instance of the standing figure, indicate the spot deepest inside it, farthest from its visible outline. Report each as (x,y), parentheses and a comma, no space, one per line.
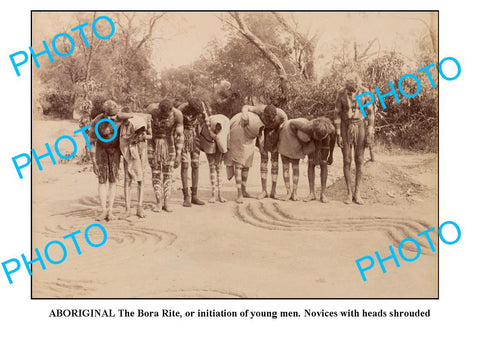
(165,150)
(272,118)
(239,157)
(194,112)
(214,141)
(105,155)
(133,145)
(322,133)
(350,129)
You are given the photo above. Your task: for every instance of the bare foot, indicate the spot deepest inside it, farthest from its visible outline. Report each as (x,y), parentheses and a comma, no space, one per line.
(111,216)
(246,195)
(273,195)
(102,216)
(323,198)
(310,197)
(157,208)
(286,197)
(239,200)
(348,199)
(262,195)
(357,199)
(221,199)
(167,208)
(140,212)
(294,196)
(126,214)
(212,199)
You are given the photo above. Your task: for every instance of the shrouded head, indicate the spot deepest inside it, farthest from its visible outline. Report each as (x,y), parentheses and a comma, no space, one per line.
(165,106)
(321,128)
(196,104)
(110,108)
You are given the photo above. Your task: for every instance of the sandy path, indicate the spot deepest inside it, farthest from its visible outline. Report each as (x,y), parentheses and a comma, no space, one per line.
(262,248)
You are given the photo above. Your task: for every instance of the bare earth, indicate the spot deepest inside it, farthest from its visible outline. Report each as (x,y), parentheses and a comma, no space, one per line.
(260,249)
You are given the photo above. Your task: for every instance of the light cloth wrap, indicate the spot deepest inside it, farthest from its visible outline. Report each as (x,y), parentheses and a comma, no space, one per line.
(220,143)
(133,151)
(242,139)
(294,145)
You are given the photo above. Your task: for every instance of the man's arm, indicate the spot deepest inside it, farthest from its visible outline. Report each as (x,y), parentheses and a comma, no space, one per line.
(258,110)
(282,114)
(369,138)
(296,125)
(338,118)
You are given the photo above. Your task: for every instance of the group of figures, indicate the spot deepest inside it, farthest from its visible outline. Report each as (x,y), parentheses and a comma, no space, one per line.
(174,136)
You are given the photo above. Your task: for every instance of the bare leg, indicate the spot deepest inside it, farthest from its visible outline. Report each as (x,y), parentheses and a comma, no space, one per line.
(238,181)
(213,176)
(140,212)
(286,177)
(244,183)
(195,166)
(219,181)
(274,160)
(311,180)
(347,161)
(127,186)
(102,194)
(167,187)
(157,189)
(358,179)
(263,175)
(372,156)
(184,175)
(296,177)
(112,190)
(323,180)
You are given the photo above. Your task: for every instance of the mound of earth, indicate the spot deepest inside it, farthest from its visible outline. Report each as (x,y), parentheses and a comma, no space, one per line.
(382,183)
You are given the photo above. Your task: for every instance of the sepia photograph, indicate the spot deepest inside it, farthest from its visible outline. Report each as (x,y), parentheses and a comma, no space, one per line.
(220,155)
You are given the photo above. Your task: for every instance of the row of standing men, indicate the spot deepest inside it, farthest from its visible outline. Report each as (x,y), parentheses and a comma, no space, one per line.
(172,137)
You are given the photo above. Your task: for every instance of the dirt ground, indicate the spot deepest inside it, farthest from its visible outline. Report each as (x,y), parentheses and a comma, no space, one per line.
(259,249)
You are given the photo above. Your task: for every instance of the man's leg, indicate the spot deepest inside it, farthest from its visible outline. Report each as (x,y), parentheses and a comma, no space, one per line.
(347,161)
(184,175)
(127,185)
(238,180)
(140,190)
(296,177)
(311,179)
(359,152)
(195,155)
(286,177)
(263,174)
(113,168)
(218,166)
(244,183)
(213,176)
(274,161)
(167,186)
(156,180)
(112,190)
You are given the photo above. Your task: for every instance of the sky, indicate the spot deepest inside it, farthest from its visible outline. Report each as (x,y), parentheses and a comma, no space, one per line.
(181,37)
